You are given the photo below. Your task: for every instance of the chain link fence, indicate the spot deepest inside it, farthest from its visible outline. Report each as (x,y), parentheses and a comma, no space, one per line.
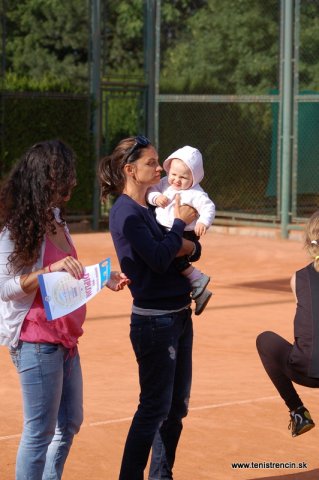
(305,171)
(235,140)
(240,133)
(218,86)
(27,118)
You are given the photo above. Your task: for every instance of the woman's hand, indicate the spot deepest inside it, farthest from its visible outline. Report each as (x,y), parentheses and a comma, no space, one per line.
(184,212)
(68,264)
(29,281)
(117,281)
(293,286)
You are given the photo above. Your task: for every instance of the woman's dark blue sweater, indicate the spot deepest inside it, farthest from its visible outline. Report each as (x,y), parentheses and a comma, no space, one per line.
(146,253)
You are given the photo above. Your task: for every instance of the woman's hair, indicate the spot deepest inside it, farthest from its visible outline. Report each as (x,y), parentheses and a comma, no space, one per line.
(110,169)
(40,180)
(312,238)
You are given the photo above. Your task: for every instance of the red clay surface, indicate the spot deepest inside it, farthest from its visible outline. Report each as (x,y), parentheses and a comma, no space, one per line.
(235,413)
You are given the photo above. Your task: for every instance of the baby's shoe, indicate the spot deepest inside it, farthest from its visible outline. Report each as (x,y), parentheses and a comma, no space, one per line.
(199,285)
(202,301)
(300,421)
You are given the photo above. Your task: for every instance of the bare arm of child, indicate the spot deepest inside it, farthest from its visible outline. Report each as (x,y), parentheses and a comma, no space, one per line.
(162,201)
(200,229)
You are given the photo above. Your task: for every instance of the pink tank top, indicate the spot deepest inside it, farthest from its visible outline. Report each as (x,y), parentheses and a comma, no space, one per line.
(65,330)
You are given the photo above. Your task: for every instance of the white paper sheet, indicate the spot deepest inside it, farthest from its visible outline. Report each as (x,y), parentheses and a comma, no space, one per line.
(61,293)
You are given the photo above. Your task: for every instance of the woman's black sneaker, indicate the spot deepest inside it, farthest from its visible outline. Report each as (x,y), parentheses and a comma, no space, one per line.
(300,421)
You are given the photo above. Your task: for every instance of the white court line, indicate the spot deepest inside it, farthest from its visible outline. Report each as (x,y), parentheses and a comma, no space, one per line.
(203,407)
(108,422)
(8,437)
(239,402)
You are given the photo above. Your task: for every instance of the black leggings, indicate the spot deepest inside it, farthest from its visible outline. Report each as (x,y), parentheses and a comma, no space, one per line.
(274,353)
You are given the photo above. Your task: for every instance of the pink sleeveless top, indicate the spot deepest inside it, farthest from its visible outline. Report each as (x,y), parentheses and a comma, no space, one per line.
(65,330)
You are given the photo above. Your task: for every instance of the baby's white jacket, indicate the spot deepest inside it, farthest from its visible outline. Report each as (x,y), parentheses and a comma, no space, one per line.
(194,196)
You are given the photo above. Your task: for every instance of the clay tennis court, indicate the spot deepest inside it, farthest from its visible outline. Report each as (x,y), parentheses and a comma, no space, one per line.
(235,413)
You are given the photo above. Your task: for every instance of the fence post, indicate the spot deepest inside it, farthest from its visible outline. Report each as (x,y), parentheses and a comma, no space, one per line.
(149,62)
(287,101)
(157,71)
(95,91)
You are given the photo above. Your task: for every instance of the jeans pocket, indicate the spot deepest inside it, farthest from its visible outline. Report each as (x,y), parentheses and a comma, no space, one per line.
(48,348)
(163,330)
(166,321)
(136,339)
(50,356)
(15,354)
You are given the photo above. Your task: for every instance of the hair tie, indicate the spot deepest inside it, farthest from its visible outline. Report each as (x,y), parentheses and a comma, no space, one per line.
(314,242)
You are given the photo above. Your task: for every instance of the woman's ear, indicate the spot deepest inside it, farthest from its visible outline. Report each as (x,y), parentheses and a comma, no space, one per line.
(129,169)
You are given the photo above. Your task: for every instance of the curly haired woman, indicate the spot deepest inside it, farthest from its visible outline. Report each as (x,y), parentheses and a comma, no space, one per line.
(34,240)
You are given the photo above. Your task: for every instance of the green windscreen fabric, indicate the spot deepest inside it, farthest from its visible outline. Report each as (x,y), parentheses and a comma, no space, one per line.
(308,148)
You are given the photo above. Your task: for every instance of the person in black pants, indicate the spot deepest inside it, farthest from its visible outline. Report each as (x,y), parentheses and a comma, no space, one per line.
(161,326)
(298,363)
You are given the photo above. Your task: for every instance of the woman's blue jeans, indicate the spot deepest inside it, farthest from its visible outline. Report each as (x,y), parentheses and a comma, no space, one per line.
(52,391)
(163,349)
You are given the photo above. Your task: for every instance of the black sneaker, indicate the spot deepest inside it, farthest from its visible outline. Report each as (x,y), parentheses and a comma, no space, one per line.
(300,421)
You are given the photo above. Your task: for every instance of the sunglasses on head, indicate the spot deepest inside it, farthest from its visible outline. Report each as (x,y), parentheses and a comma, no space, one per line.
(140,142)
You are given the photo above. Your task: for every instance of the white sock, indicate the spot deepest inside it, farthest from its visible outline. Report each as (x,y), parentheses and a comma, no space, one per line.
(194,275)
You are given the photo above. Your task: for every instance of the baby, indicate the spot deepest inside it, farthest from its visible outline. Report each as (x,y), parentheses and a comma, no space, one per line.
(185,171)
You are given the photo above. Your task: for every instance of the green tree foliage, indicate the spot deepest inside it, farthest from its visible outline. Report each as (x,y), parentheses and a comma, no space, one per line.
(207,46)
(122,37)
(309,45)
(47,41)
(232,47)
(123,31)
(226,47)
